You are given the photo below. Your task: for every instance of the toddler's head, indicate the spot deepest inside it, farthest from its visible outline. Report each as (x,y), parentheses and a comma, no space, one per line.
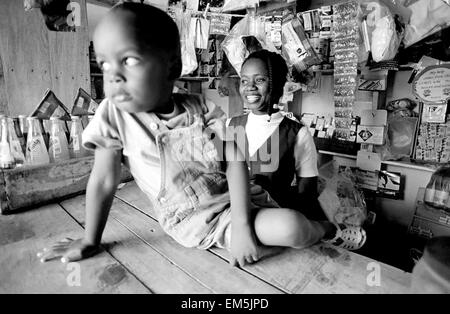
(263,75)
(138,49)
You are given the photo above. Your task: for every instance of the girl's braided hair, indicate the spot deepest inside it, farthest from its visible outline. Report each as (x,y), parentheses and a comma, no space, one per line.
(277,71)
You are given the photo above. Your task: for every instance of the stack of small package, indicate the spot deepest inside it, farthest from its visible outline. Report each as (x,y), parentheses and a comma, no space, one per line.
(433,140)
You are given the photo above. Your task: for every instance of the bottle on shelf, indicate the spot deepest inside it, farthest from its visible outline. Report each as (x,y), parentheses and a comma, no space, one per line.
(23,125)
(442,190)
(20,135)
(45,130)
(6,156)
(58,146)
(438,189)
(75,147)
(15,143)
(36,153)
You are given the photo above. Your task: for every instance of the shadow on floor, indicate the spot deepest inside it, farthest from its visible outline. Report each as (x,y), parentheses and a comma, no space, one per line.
(392,245)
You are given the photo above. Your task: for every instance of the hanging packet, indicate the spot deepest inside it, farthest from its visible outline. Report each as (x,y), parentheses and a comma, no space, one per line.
(427,18)
(199,31)
(296,47)
(381,30)
(188,56)
(246,36)
(234,5)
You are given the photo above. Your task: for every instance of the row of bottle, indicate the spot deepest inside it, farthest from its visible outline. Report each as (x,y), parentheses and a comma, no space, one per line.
(27,140)
(437,192)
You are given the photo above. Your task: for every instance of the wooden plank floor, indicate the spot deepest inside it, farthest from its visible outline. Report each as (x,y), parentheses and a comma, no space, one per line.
(23,235)
(140,258)
(319,269)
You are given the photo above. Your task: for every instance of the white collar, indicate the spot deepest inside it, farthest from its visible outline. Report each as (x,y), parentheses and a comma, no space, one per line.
(274,118)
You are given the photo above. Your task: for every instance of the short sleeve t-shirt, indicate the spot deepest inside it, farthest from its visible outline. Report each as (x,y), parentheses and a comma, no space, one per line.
(132,133)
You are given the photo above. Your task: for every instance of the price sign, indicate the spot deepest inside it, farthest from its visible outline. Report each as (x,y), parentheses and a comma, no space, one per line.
(433,84)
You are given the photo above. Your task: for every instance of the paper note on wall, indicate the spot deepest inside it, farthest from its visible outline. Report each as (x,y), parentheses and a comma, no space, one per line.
(368,161)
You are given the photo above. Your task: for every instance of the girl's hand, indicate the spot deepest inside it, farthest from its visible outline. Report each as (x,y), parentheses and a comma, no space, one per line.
(69,250)
(244,249)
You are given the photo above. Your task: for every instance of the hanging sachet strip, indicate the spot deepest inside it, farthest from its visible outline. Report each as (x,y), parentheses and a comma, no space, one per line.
(346,39)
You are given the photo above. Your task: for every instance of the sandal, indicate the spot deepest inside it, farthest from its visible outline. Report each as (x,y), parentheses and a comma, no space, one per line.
(348,237)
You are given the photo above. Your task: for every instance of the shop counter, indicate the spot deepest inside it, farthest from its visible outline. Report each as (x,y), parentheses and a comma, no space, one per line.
(138,257)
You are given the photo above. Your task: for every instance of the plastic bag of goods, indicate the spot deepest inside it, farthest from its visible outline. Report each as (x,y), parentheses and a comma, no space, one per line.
(339,198)
(297,50)
(234,5)
(247,36)
(381,30)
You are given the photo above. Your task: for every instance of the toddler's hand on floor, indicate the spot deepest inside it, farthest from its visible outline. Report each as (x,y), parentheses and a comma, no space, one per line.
(244,249)
(69,250)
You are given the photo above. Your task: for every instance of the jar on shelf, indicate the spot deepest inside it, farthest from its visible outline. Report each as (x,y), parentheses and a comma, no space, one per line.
(437,192)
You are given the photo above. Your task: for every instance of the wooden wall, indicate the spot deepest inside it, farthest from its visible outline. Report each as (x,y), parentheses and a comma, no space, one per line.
(35,58)
(3,100)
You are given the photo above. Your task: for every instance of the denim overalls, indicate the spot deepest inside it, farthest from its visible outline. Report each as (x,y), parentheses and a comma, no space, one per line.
(193,204)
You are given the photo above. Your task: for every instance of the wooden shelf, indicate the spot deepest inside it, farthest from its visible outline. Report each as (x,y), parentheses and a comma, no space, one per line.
(404,164)
(324,71)
(405,67)
(336,154)
(195,78)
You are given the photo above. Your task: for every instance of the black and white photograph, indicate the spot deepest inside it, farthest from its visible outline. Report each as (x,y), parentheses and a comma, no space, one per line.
(157,147)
